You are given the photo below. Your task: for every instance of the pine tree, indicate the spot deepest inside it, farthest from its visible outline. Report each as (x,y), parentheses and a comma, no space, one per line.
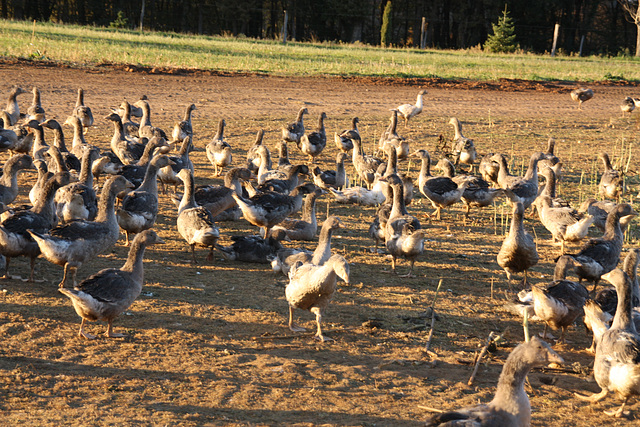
(385,32)
(503,39)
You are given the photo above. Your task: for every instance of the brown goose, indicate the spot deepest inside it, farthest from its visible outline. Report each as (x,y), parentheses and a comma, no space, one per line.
(510,406)
(108,293)
(313,143)
(183,128)
(581,95)
(253,158)
(83,112)
(519,189)
(343,140)
(463,149)
(611,182)
(13,109)
(365,165)
(146,129)
(35,111)
(219,150)
(306,227)
(600,209)
(83,189)
(70,159)
(331,178)
(518,252)
(9,178)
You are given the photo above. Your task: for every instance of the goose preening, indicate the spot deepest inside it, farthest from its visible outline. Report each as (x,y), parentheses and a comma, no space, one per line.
(83,112)
(311,287)
(611,181)
(581,95)
(408,111)
(184,128)
(343,139)
(489,169)
(108,293)
(294,131)
(617,363)
(195,223)
(599,256)
(627,106)
(219,150)
(73,244)
(139,208)
(518,252)
(510,406)
(283,182)
(463,149)
(313,143)
(13,109)
(268,209)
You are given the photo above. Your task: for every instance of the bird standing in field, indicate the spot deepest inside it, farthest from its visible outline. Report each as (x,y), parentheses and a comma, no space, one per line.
(627,106)
(408,111)
(581,95)
(518,252)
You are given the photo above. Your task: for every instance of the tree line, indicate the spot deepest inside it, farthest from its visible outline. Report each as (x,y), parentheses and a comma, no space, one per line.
(602,27)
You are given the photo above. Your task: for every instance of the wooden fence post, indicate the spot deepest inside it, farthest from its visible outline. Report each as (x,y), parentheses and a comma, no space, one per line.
(284,28)
(556,31)
(423,33)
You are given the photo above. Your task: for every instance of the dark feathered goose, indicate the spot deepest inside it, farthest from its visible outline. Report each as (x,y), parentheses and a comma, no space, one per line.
(9,178)
(518,252)
(13,109)
(306,227)
(581,95)
(129,152)
(510,406)
(135,172)
(313,143)
(73,244)
(195,223)
(253,248)
(331,178)
(146,129)
(108,293)
(519,189)
(294,131)
(343,139)
(71,160)
(183,128)
(219,150)
(168,175)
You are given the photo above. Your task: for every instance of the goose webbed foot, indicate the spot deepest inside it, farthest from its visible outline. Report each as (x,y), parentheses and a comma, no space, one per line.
(111,334)
(82,333)
(596,397)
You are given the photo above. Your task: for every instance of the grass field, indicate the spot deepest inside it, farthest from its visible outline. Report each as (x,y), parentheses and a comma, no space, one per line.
(91,45)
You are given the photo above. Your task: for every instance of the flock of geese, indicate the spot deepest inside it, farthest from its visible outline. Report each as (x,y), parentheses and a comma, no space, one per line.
(70,223)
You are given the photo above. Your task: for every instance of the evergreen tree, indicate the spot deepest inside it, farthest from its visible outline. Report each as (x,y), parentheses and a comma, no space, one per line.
(503,39)
(385,32)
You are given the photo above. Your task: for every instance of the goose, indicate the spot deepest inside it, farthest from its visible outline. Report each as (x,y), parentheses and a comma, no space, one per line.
(549,190)
(294,131)
(253,159)
(441,191)
(133,109)
(581,95)
(9,177)
(365,165)
(518,252)
(8,137)
(391,137)
(284,164)
(15,240)
(253,249)
(169,174)
(43,177)
(268,209)
(35,111)
(599,256)
(219,150)
(125,112)
(358,196)
(108,293)
(560,302)
(135,172)
(599,210)
(39,145)
(183,129)
(313,143)
(564,223)
(286,184)
(66,209)
(70,159)
(146,129)
(331,178)
(477,194)
(195,223)
(510,406)
(265,171)
(306,227)
(72,244)
(403,234)
(597,321)
(17,138)
(519,189)
(128,152)
(489,169)
(286,257)
(311,287)
(217,198)
(343,139)
(617,363)
(463,149)
(13,109)
(83,112)
(408,111)
(139,208)
(550,159)
(378,226)
(627,106)
(611,181)
(79,143)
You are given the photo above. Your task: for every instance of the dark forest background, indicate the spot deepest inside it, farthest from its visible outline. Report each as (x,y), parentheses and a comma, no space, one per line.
(451,23)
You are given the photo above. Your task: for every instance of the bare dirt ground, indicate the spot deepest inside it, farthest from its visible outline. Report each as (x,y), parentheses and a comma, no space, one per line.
(209,345)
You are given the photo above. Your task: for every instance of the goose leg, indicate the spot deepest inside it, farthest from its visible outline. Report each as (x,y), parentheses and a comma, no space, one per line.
(33,267)
(6,268)
(410,273)
(193,254)
(619,412)
(319,336)
(210,256)
(110,333)
(596,397)
(84,334)
(64,276)
(292,325)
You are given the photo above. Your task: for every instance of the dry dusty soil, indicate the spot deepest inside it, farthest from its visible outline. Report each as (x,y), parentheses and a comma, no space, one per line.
(209,345)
